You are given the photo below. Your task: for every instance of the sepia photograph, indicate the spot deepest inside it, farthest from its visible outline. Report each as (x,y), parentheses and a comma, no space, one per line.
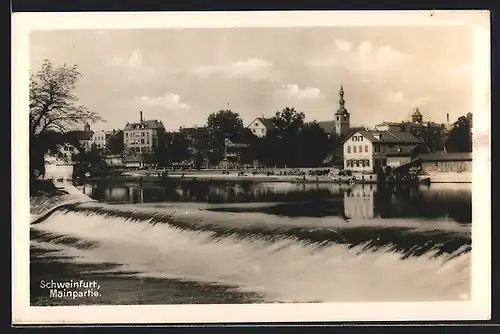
(296,163)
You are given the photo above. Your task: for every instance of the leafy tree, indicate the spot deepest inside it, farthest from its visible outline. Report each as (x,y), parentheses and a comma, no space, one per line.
(53,109)
(177,147)
(313,145)
(460,136)
(221,125)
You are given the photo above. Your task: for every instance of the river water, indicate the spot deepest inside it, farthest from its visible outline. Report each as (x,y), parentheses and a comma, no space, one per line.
(253,242)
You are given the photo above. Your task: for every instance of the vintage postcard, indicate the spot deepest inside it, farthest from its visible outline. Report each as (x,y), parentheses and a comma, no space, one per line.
(251,167)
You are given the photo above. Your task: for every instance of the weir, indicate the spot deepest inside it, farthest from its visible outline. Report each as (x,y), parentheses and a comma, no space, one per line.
(284,259)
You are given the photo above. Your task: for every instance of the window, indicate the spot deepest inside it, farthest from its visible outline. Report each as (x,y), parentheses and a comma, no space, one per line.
(366,148)
(142,141)
(357,163)
(256,124)
(348,149)
(360,148)
(253,130)
(368,164)
(363,163)
(126,134)
(338,118)
(355,138)
(360,138)
(354,149)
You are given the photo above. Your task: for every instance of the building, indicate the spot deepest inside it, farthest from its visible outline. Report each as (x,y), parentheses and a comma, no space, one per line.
(235,154)
(59,163)
(434,133)
(342,119)
(99,139)
(84,137)
(114,160)
(261,126)
(445,162)
(144,136)
(368,151)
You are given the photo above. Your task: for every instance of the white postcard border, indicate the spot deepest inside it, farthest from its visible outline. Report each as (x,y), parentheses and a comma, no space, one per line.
(478,308)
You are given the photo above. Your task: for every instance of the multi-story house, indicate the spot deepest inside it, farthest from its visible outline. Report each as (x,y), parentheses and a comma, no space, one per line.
(368,151)
(144,136)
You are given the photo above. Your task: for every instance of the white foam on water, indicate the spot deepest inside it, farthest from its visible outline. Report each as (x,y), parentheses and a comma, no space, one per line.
(289,270)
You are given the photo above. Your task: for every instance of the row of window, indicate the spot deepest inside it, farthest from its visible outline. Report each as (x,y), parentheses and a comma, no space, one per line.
(358,163)
(355,149)
(137,134)
(138,141)
(141,149)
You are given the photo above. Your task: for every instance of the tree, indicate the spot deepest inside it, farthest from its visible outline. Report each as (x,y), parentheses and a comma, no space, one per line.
(177,147)
(460,136)
(313,145)
(221,125)
(53,108)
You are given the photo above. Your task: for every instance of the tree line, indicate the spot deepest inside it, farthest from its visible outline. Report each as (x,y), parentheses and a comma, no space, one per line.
(292,141)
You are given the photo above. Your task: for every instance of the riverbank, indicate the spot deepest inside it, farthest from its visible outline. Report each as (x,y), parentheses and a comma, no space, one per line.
(442,177)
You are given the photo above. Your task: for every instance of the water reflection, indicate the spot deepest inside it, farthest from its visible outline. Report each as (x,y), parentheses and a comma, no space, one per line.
(439,201)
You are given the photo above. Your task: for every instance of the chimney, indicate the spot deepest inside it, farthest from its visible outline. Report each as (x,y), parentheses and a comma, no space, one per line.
(141,116)
(447,120)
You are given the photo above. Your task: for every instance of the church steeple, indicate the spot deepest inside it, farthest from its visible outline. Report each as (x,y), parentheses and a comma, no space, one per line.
(342,117)
(341,109)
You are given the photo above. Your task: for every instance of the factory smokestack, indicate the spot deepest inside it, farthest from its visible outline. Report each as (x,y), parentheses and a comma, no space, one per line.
(447,120)
(141,116)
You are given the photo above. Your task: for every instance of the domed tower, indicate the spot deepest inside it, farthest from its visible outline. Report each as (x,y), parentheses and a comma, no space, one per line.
(469,118)
(342,117)
(86,127)
(416,117)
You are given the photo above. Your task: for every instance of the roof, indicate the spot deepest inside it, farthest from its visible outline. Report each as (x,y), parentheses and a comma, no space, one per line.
(446,156)
(149,124)
(417,113)
(400,150)
(267,122)
(389,123)
(397,137)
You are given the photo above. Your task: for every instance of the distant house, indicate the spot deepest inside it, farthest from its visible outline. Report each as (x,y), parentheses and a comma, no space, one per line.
(261,126)
(99,139)
(368,151)
(235,154)
(446,162)
(144,136)
(114,142)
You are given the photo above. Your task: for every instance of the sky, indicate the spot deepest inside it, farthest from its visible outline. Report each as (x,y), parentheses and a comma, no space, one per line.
(180,76)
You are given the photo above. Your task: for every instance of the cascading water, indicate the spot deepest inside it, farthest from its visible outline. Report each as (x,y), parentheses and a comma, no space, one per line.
(280,258)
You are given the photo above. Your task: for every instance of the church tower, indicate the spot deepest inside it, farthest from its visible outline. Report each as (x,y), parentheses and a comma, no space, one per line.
(342,117)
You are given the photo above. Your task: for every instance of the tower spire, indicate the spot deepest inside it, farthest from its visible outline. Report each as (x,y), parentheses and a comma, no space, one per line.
(341,94)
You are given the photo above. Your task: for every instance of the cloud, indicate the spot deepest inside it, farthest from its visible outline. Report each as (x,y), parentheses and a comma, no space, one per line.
(364,59)
(135,60)
(168,101)
(293,90)
(401,98)
(253,69)
(397,97)
(342,45)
